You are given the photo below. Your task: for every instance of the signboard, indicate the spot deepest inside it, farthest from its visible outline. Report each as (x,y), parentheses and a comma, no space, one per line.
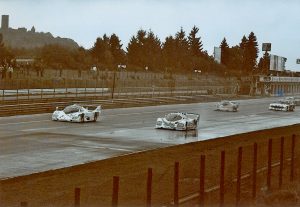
(298,61)
(277,63)
(266,46)
(217,54)
(279,79)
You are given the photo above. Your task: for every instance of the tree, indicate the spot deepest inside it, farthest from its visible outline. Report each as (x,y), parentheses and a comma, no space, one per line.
(264,64)
(101,51)
(169,53)
(115,48)
(5,55)
(195,43)
(225,56)
(183,62)
(251,52)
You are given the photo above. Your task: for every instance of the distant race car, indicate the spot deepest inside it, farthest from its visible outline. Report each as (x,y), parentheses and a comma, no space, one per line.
(227,106)
(76,113)
(178,121)
(282,105)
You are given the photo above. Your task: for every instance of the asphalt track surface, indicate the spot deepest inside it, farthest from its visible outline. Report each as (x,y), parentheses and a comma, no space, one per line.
(34,143)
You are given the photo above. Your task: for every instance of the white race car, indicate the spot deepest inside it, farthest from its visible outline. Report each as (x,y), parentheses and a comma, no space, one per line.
(227,106)
(76,113)
(282,105)
(178,121)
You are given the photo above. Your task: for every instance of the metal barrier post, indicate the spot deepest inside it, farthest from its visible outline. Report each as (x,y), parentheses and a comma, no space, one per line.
(281,160)
(239,172)
(115,192)
(202,181)
(176,184)
(292,157)
(222,179)
(269,164)
(77,197)
(149,187)
(254,170)
(23,204)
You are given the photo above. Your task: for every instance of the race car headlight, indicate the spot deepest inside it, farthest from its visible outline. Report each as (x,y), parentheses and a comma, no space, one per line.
(159,122)
(180,125)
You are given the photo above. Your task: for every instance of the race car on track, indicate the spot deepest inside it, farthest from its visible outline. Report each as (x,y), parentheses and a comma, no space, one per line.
(76,113)
(227,106)
(282,105)
(178,121)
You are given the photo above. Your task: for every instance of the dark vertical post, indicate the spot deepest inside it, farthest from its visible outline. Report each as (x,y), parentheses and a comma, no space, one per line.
(239,172)
(254,170)
(202,182)
(77,197)
(281,160)
(269,164)
(222,178)
(113,86)
(23,204)
(292,157)
(176,184)
(149,187)
(115,192)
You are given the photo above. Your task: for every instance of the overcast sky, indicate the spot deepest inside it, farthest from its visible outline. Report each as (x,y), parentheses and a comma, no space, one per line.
(275,21)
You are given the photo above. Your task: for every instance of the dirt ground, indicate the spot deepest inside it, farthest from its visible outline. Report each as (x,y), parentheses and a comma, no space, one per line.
(56,187)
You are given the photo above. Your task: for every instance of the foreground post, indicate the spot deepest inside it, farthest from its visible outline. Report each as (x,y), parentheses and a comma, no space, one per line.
(254,170)
(115,192)
(239,172)
(23,204)
(293,157)
(77,197)
(222,178)
(269,164)
(149,187)
(202,182)
(281,160)
(176,184)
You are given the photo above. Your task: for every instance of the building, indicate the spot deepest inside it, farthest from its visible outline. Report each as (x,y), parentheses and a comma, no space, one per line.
(5,22)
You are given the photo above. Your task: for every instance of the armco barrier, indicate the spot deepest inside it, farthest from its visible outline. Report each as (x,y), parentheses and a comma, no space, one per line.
(243,181)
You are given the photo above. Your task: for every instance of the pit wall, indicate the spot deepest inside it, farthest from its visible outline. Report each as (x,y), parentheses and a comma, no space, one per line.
(91,184)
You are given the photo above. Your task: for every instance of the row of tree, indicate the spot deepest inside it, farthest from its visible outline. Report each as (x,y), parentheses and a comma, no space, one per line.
(179,53)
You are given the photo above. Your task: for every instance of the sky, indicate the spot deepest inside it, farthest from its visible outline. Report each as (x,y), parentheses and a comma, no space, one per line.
(274,21)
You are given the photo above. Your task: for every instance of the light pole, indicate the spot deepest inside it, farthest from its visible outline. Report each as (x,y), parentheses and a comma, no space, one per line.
(114,80)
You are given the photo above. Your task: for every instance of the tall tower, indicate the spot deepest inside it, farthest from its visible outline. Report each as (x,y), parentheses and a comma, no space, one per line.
(5,21)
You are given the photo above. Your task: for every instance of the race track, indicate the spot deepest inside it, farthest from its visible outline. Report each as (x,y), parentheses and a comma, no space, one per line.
(34,143)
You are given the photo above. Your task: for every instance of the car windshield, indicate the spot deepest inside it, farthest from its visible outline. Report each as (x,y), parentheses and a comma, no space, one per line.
(72,109)
(192,116)
(173,117)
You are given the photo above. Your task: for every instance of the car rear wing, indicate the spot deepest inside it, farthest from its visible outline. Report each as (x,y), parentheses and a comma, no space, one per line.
(193,115)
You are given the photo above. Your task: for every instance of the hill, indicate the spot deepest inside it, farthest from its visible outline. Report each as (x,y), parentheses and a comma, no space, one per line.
(23,38)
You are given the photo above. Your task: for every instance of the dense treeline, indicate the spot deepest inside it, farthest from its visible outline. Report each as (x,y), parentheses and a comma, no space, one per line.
(181,53)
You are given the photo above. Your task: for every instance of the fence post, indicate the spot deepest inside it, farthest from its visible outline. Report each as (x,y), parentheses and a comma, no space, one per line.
(23,204)
(239,172)
(281,160)
(176,186)
(202,181)
(115,192)
(149,187)
(292,158)
(254,170)
(77,197)
(269,164)
(222,178)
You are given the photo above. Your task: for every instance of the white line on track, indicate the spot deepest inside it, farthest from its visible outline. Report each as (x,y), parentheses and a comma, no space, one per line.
(37,129)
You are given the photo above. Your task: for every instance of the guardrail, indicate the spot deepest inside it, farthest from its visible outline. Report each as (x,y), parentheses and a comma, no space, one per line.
(237,187)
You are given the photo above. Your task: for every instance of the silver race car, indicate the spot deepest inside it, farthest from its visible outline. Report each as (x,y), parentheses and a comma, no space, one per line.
(76,113)
(178,121)
(227,106)
(282,105)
